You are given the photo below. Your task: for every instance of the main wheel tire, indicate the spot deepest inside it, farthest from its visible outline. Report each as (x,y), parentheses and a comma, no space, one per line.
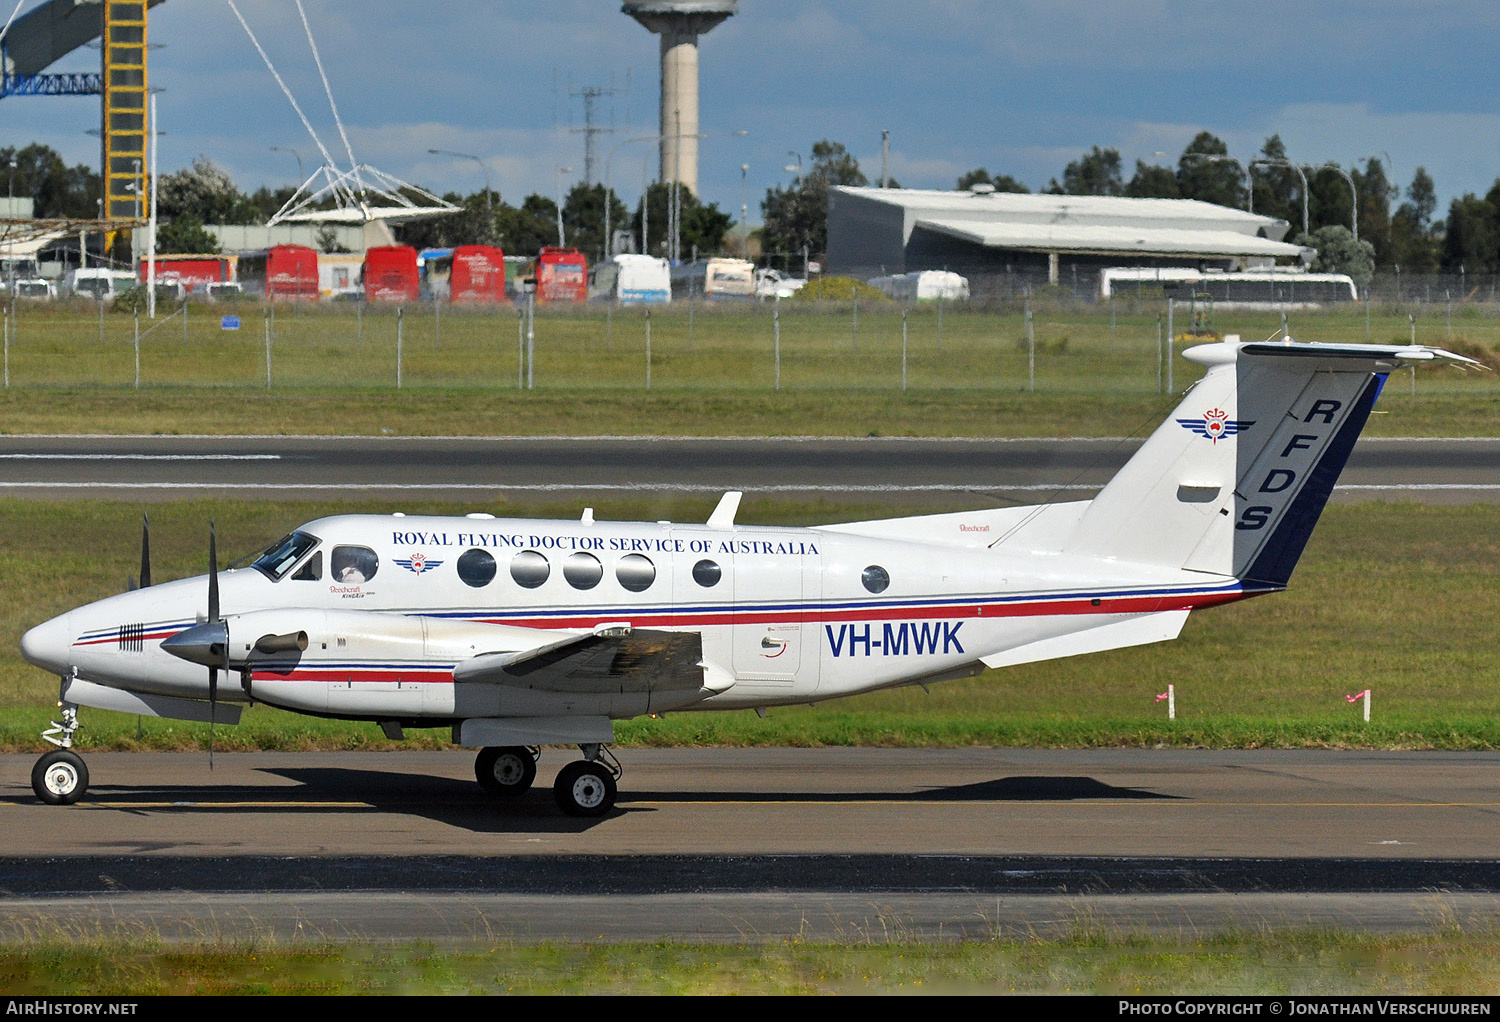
(506,771)
(60,778)
(584,789)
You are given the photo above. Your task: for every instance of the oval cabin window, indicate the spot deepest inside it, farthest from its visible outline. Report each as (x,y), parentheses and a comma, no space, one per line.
(583,571)
(635,572)
(707,574)
(529,569)
(476,568)
(875,578)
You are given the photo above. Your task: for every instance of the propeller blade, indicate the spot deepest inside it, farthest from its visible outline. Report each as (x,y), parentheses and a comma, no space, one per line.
(213,575)
(213,702)
(145,552)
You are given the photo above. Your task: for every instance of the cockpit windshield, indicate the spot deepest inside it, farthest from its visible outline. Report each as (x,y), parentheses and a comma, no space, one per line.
(283,555)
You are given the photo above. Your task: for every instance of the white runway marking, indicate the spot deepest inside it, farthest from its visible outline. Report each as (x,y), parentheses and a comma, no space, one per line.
(675,487)
(140,457)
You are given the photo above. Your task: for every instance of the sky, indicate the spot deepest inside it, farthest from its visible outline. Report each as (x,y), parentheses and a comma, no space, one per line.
(1016,86)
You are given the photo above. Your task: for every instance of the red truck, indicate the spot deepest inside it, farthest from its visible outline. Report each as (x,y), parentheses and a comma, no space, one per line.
(562,275)
(391,274)
(477,275)
(191,272)
(292,273)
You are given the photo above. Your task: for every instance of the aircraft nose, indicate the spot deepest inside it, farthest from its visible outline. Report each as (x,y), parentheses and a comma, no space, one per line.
(48,645)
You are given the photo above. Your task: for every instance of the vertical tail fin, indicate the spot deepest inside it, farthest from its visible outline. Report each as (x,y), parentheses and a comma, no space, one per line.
(1234,481)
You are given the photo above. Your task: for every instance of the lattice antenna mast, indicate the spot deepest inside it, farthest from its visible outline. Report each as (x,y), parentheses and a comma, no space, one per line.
(328,91)
(590,95)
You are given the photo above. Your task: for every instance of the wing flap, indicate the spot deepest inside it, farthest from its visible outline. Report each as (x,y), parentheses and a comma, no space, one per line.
(611,659)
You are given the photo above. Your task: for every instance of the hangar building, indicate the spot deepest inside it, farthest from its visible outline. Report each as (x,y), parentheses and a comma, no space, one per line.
(982,232)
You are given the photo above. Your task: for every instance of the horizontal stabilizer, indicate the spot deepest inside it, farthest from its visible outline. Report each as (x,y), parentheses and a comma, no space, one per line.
(1134,631)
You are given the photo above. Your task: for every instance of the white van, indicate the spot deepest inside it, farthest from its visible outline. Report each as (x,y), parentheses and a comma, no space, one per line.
(642,280)
(98,282)
(924,286)
(729,278)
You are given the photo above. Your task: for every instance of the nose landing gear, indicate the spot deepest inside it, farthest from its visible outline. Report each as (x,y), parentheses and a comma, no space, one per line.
(60,777)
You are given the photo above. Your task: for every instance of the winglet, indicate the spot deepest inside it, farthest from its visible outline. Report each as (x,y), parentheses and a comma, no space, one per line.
(723,516)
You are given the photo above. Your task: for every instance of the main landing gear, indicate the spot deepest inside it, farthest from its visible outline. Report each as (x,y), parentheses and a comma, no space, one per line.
(585,788)
(60,777)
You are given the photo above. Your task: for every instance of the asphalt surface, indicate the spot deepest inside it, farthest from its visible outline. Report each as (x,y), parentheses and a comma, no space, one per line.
(472,469)
(721,844)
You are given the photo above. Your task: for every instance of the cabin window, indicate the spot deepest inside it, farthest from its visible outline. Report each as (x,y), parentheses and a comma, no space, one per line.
(282,555)
(635,572)
(311,570)
(476,568)
(875,578)
(583,571)
(352,565)
(530,569)
(707,574)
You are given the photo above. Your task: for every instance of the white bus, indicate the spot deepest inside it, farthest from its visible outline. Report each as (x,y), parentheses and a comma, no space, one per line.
(1282,287)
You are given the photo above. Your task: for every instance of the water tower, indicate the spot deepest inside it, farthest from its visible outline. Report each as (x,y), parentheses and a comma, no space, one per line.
(680,23)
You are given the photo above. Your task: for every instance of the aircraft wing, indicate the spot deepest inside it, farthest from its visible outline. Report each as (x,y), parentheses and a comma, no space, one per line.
(610,659)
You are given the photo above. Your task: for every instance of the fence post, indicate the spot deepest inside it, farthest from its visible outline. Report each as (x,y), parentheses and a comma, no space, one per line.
(1160,383)
(137,347)
(184,319)
(520,347)
(1171,345)
(1030,350)
(776,331)
(856,323)
(609,323)
(903,351)
(400,311)
(531,340)
(1413,319)
(101,319)
(7,349)
(268,352)
(648,349)
(940,321)
(359,322)
(437,322)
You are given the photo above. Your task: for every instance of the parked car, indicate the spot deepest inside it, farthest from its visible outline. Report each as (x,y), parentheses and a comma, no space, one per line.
(775,284)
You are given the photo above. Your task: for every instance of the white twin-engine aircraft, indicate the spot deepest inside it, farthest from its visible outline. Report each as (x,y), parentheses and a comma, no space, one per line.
(519,634)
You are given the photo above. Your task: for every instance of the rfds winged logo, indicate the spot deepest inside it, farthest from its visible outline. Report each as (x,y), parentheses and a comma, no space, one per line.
(418,563)
(1215,425)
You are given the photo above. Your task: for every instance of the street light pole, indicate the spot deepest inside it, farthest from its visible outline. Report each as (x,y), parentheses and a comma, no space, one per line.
(744,210)
(1298,169)
(609,191)
(288,149)
(1353,196)
(561,170)
(489,203)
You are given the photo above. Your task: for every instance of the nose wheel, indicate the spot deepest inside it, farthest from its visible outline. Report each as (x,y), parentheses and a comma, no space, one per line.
(60,777)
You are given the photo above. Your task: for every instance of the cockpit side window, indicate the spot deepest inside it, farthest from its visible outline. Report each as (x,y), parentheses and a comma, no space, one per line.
(353,564)
(311,570)
(280,556)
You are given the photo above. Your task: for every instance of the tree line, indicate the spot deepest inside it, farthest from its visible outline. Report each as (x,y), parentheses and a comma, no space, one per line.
(1397,227)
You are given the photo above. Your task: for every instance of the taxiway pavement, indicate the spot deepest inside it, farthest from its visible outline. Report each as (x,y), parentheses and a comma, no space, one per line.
(711,844)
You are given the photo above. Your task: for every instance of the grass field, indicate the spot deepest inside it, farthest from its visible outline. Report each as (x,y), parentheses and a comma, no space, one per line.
(1452,962)
(838,370)
(1399,598)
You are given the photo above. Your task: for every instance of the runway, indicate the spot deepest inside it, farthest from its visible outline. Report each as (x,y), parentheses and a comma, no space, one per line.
(470,470)
(716,844)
